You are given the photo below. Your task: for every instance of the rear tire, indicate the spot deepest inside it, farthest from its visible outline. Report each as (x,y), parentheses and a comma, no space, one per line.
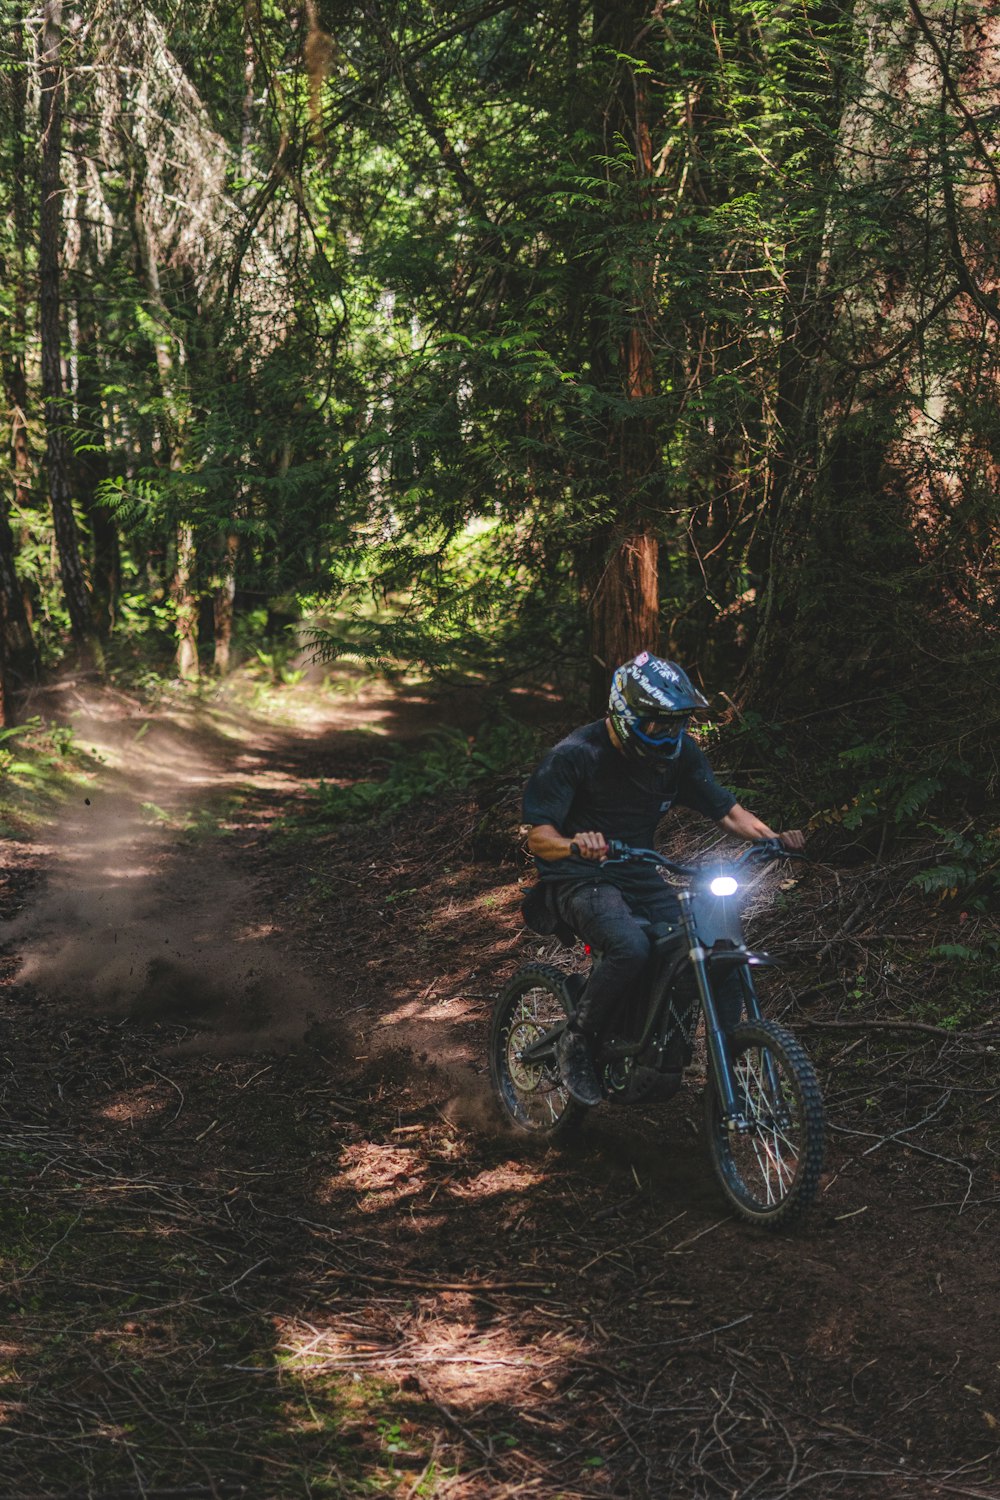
(770,1172)
(531,1095)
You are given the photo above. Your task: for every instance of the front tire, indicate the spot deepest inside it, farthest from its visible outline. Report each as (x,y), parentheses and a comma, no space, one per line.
(531,1094)
(770,1172)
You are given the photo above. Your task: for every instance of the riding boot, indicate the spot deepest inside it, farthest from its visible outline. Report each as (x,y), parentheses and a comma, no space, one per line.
(591,1007)
(576,1066)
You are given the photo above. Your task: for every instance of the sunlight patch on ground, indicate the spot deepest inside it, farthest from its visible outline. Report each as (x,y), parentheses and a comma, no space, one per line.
(409,1010)
(129,872)
(471,1366)
(394,1176)
(451,1008)
(132,1105)
(511,1177)
(374,1172)
(256,934)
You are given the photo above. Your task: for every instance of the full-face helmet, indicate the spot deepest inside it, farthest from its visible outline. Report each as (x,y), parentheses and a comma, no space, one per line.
(651,703)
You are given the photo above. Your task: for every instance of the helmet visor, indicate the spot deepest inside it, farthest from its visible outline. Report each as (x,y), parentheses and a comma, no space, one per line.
(663,731)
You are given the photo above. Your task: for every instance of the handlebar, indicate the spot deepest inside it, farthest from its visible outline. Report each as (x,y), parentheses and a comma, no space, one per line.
(763,850)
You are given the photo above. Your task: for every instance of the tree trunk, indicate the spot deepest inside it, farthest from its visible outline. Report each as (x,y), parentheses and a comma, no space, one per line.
(91,462)
(623,591)
(19,651)
(57,456)
(624,617)
(17,646)
(224,600)
(185,599)
(182,589)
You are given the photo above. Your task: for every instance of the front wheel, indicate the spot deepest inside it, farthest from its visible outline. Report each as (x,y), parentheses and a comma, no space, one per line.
(769,1171)
(530,1092)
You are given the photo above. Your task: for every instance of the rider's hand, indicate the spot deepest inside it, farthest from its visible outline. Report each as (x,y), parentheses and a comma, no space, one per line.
(590,845)
(793,838)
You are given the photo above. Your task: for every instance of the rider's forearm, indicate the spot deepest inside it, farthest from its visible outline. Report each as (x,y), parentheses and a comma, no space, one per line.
(745,824)
(545,842)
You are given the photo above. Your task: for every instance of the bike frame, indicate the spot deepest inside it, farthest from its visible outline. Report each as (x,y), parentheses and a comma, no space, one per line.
(664,969)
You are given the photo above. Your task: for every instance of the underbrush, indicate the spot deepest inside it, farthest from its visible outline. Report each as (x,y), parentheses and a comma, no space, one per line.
(41,764)
(910,826)
(447,763)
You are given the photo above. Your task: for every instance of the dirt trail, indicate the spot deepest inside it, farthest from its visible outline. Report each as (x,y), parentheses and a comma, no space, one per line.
(145,913)
(263,1236)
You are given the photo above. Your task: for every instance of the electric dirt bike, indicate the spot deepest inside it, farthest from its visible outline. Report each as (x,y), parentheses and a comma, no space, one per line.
(763,1106)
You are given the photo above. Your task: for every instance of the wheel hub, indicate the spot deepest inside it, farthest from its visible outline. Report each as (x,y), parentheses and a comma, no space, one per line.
(525,1077)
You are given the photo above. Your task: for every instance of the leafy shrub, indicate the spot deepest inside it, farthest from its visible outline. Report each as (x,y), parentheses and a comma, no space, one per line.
(969,867)
(40,749)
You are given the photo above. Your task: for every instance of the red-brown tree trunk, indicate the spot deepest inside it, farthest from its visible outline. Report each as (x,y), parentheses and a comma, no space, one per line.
(624,602)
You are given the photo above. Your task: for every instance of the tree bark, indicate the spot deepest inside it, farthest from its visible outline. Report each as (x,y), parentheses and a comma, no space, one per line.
(185,599)
(182,587)
(224,601)
(623,591)
(624,612)
(91,463)
(57,456)
(17,645)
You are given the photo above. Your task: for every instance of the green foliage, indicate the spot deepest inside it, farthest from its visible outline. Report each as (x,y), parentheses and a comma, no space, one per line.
(964,990)
(448,764)
(276,663)
(42,747)
(41,765)
(960,951)
(968,869)
(889,788)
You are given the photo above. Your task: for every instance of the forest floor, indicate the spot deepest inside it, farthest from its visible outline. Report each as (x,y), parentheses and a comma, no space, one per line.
(262,1233)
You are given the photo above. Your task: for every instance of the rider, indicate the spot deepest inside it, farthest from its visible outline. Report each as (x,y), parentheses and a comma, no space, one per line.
(614,779)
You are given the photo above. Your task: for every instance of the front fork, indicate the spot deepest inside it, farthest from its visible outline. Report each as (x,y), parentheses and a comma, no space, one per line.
(718,1050)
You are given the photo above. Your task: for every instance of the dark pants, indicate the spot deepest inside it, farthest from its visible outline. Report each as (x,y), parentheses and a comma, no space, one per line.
(605,917)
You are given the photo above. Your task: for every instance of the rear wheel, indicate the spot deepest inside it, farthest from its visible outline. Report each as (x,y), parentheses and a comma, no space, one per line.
(770,1171)
(531,1094)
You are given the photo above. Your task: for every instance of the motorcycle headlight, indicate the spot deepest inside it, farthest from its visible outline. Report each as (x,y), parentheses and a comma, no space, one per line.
(724,885)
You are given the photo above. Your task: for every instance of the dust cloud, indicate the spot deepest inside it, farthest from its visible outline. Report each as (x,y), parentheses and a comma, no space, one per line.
(141,916)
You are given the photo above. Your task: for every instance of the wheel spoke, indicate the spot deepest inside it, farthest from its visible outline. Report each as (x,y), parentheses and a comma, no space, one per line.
(770,1168)
(764,1110)
(530,1091)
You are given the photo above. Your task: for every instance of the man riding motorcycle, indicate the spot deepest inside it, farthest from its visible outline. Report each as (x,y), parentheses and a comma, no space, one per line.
(615,779)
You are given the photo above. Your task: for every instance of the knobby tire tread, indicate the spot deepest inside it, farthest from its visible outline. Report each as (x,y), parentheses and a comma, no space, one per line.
(555,981)
(796,1062)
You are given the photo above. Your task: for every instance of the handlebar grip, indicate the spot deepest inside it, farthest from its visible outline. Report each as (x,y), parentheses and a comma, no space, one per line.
(615,849)
(775,849)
